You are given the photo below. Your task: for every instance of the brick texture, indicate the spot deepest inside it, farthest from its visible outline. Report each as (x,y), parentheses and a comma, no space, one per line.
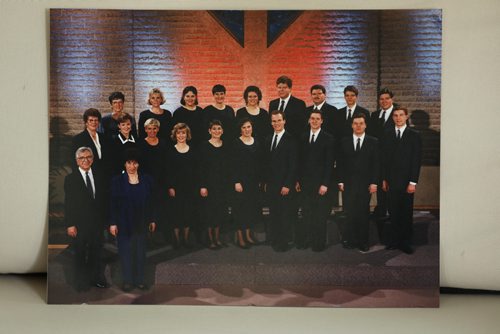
(95,52)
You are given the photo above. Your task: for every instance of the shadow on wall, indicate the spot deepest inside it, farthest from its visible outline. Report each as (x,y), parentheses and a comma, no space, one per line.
(430,138)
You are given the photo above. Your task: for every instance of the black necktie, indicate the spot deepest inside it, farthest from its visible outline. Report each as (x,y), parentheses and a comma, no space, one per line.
(399,134)
(349,116)
(89,185)
(358,145)
(316,108)
(312,139)
(382,118)
(275,142)
(282,105)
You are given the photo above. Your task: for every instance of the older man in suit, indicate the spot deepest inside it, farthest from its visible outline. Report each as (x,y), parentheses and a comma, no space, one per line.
(316,164)
(402,155)
(85,214)
(359,169)
(293,108)
(279,181)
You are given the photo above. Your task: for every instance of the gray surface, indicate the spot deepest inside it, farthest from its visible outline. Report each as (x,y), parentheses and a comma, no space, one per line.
(24,311)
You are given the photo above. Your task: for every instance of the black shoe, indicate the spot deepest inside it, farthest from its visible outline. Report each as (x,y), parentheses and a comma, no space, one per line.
(141,286)
(364,249)
(391,247)
(101,284)
(407,249)
(127,287)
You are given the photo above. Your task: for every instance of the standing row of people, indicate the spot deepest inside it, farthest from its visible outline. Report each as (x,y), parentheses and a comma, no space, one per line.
(218,154)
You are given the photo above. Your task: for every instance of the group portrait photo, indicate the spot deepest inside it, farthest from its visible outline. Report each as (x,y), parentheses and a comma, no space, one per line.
(245,158)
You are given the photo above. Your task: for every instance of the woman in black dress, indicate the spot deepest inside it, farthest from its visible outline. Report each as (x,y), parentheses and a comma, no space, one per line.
(125,140)
(246,168)
(259,117)
(182,184)
(191,114)
(132,216)
(214,183)
(155,100)
(154,163)
(221,112)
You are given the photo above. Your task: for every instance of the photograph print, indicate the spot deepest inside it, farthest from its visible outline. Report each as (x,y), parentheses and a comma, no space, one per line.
(245,158)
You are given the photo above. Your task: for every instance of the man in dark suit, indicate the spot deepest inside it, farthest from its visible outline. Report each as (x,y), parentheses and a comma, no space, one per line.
(293,108)
(343,121)
(359,171)
(85,205)
(316,164)
(380,121)
(279,181)
(329,112)
(402,155)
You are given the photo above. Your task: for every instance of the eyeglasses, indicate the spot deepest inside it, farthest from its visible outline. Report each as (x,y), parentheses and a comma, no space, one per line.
(89,157)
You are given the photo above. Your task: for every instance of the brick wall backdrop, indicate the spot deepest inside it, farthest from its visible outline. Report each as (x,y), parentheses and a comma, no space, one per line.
(95,52)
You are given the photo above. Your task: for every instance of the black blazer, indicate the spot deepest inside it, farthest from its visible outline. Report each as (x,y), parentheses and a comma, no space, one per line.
(401,158)
(343,128)
(377,127)
(84,139)
(330,116)
(316,160)
(281,163)
(295,113)
(80,209)
(359,168)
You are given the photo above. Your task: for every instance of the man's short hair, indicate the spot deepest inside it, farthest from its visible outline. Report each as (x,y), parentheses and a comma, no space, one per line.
(358,115)
(401,108)
(116,96)
(278,112)
(284,80)
(314,87)
(351,88)
(91,112)
(317,111)
(218,89)
(82,149)
(385,91)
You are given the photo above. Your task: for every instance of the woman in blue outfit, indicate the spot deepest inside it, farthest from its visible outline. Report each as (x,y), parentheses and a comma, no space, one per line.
(132,215)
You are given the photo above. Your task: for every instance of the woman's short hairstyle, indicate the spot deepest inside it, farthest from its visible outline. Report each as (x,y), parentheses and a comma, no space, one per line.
(131,154)
(125,117)
(244,120)
(155,91)
(214,122)
(152,121)
(188,89)
(116,96)
(254,89)
(91,112)
(218,89)
(180,126)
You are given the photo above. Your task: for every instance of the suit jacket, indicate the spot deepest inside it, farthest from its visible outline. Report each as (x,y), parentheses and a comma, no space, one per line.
(281,169)
(80,209)
(343,128)
(330,116)
(359,169)
(377,128)
(401,158)
(84,139)
(295,113)
(316,160)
